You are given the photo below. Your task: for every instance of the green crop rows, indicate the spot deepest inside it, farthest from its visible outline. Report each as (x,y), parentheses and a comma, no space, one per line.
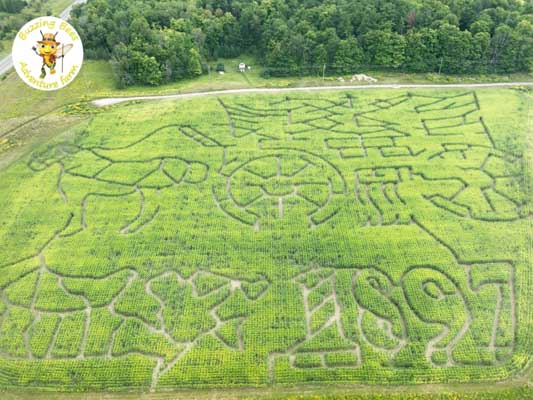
(370,237)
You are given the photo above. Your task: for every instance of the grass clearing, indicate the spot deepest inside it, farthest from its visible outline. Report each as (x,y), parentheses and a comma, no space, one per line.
(5,48)
(24,106)
(336,237)
(96,80)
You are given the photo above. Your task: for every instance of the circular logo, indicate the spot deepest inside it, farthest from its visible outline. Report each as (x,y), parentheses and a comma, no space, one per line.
(47,53)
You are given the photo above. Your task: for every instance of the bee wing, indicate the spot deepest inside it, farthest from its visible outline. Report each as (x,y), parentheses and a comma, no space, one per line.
(64,49)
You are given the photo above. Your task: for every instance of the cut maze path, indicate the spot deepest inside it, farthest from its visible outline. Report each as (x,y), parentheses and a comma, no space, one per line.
(314,237)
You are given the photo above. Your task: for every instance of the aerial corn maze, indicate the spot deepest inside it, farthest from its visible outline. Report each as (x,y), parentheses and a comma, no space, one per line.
(329,237)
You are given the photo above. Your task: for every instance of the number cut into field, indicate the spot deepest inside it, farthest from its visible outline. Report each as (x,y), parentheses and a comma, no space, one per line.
(378,237)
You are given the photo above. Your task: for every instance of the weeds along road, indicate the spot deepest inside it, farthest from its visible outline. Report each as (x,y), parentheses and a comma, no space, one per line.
(7,62)
(107,101)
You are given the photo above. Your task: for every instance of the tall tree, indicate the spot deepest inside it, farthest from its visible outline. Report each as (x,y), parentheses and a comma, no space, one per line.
(384,48)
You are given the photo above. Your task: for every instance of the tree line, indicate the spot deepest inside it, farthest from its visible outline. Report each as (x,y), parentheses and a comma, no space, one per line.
(15,13)
(157,41)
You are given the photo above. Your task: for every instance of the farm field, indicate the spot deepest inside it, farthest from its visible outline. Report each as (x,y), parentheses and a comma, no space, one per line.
(377,237)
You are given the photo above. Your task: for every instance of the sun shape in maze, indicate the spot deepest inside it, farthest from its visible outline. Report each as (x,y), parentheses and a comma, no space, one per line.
(439,149)
(280,161)
(271,185)
(280,167)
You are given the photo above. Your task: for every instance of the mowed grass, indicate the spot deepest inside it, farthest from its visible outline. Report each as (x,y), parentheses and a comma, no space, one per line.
(338,237)
(315,392)
(95,80)
(25,112)
(5,47)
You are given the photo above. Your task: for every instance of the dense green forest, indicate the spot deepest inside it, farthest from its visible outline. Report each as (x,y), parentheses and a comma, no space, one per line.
(15,13)
(12,6)
(157,41)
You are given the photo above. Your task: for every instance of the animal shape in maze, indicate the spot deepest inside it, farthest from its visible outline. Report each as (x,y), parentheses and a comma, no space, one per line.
(163,158)
(305,163)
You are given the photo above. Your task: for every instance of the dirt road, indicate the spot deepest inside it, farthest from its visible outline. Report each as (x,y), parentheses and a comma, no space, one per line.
(114,100)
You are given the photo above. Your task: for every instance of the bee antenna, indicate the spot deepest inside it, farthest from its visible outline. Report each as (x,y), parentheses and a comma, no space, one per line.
(42,34)
(56,35)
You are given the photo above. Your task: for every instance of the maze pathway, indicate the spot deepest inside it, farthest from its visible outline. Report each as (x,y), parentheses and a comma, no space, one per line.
(269,239)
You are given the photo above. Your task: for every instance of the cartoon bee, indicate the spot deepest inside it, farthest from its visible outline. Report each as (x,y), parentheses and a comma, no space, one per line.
(50,50)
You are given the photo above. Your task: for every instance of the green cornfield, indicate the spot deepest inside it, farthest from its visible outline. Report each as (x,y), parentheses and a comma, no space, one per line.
(376,237)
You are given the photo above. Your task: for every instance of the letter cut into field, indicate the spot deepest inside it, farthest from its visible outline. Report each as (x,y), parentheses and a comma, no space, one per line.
(364,237)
